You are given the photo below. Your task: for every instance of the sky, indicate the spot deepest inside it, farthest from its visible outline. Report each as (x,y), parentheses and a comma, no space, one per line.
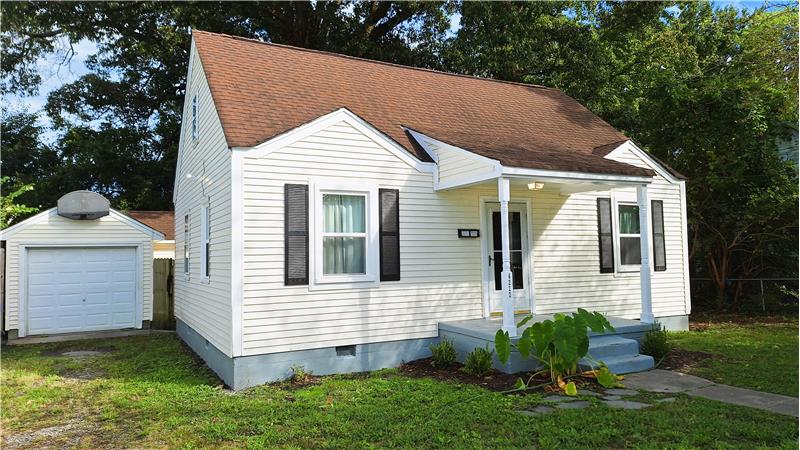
(54,76)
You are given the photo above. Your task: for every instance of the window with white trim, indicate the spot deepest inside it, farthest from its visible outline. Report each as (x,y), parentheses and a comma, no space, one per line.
(186,244)
(205,244)
(195,107)
(629,235)
(346,227)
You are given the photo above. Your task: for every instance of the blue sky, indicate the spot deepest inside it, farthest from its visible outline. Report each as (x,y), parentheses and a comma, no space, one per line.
(53,75)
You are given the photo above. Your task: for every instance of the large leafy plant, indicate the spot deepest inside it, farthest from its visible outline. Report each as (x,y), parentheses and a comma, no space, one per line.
(558,345)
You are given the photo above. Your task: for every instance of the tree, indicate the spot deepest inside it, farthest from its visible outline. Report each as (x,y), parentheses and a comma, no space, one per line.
(10,211)
(118,126)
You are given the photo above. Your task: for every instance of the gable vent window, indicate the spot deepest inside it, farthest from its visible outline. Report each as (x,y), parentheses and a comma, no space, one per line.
(195,111)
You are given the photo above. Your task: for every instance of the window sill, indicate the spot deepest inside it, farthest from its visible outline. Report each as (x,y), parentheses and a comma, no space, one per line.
(205,280)
(339,285)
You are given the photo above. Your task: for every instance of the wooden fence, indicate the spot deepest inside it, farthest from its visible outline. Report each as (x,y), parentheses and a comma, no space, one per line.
(163,298)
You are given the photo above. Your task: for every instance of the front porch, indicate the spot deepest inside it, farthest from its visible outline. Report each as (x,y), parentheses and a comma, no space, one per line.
(619,349)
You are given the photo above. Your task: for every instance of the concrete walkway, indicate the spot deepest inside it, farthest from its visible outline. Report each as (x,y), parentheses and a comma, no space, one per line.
(675,382)
(66,337)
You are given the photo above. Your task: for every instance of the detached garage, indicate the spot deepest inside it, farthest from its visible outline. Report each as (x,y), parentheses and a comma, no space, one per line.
(79,267)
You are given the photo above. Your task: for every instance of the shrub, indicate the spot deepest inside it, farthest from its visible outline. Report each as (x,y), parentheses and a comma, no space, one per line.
(656,343)
(558,345)
(479,361)
(299,374)
(444,354)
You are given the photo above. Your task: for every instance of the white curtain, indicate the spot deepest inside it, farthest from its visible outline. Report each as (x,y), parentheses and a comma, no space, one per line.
(343,214)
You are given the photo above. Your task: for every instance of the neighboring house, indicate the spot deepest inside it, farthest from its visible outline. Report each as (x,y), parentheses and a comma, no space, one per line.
(81,266)
(164,222)
(331,211)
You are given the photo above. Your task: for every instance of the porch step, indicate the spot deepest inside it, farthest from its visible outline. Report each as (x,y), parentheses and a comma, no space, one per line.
(621,355)
(604,347)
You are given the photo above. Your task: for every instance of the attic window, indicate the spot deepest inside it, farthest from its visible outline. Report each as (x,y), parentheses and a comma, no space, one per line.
(194,117)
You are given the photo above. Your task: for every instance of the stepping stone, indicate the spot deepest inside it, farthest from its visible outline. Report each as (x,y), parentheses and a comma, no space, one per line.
(580,404)
(538,411)
(82,353)
(625,404)
(559,399)
(612,397)
(659,380)
(666,400)
(588,393)
(622,392)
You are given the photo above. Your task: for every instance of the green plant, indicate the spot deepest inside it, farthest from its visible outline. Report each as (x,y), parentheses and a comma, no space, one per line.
(444,354)
(656,343)
(9,210)
(558,345)
(299,374)
(478,361)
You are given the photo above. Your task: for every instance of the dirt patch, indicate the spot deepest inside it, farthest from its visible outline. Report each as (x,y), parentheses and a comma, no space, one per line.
(59,436)
(78,352)
(82,374)
(682,360)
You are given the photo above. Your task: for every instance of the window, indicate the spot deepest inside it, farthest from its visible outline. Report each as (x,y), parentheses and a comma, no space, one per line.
(194,117)
(346,233)
(186,244)
(205,245)
(629,235)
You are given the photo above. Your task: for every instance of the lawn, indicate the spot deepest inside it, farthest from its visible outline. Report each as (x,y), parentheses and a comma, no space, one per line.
(149,392)
(758,353)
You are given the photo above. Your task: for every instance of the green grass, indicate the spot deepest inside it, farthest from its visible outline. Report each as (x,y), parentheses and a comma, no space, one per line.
(149,392)
(757,355)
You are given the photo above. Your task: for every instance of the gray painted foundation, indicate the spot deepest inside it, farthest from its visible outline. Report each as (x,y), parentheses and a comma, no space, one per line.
(674,323)
(248,371)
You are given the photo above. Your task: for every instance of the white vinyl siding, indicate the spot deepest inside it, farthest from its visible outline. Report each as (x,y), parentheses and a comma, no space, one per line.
(60,231)
(204,178)
(441,275)
(456,166)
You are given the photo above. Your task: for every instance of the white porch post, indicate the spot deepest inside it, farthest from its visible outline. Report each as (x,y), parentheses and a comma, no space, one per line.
(503,193)
(644,271)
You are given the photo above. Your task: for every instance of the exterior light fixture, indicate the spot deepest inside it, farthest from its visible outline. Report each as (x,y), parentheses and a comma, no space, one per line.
(535,186)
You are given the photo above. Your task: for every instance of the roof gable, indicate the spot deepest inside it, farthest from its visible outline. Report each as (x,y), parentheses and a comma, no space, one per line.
(263,90)
(45,215)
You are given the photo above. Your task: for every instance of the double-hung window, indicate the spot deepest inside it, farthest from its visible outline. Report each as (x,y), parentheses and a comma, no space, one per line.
(186,245)
(346,248)
(205,244)
(629,235)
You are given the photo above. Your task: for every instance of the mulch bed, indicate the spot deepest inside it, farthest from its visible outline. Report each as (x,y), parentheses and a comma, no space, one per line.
(494,380)
(682,360)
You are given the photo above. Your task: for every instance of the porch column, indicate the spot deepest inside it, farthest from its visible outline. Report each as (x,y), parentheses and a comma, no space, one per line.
(506,277)
(644,271)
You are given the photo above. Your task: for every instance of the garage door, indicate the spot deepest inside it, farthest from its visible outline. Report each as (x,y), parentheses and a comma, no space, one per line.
(80,289)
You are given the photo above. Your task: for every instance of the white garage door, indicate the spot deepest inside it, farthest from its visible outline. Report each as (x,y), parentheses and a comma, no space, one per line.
(81,289)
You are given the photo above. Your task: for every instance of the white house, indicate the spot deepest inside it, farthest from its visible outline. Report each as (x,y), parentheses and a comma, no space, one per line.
(333,212)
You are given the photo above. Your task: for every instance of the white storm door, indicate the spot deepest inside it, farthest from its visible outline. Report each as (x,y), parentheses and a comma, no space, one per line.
(518,244)
(75,289)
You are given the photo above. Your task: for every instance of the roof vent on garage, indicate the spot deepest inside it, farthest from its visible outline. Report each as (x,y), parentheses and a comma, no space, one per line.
(83,205)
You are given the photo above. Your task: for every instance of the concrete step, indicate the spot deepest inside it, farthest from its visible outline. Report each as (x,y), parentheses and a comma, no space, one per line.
(604,347)
(627,364)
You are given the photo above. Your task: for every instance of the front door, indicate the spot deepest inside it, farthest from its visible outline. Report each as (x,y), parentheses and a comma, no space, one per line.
(518,244)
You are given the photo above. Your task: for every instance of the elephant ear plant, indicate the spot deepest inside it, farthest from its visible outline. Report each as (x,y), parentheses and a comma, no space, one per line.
(558,345)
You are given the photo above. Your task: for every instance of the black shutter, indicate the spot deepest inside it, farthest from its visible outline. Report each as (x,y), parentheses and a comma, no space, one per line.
(295,205)
(605,235)
(659,246)
(389,211)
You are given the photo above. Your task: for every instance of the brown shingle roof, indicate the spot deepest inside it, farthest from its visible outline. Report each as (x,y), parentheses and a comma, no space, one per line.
(162,221)
(262,90)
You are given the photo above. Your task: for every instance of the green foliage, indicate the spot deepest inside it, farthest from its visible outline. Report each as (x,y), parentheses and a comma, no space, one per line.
(478,361)
(299,374)
(557,344)
(444,354)
(656,343)
(10,211)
